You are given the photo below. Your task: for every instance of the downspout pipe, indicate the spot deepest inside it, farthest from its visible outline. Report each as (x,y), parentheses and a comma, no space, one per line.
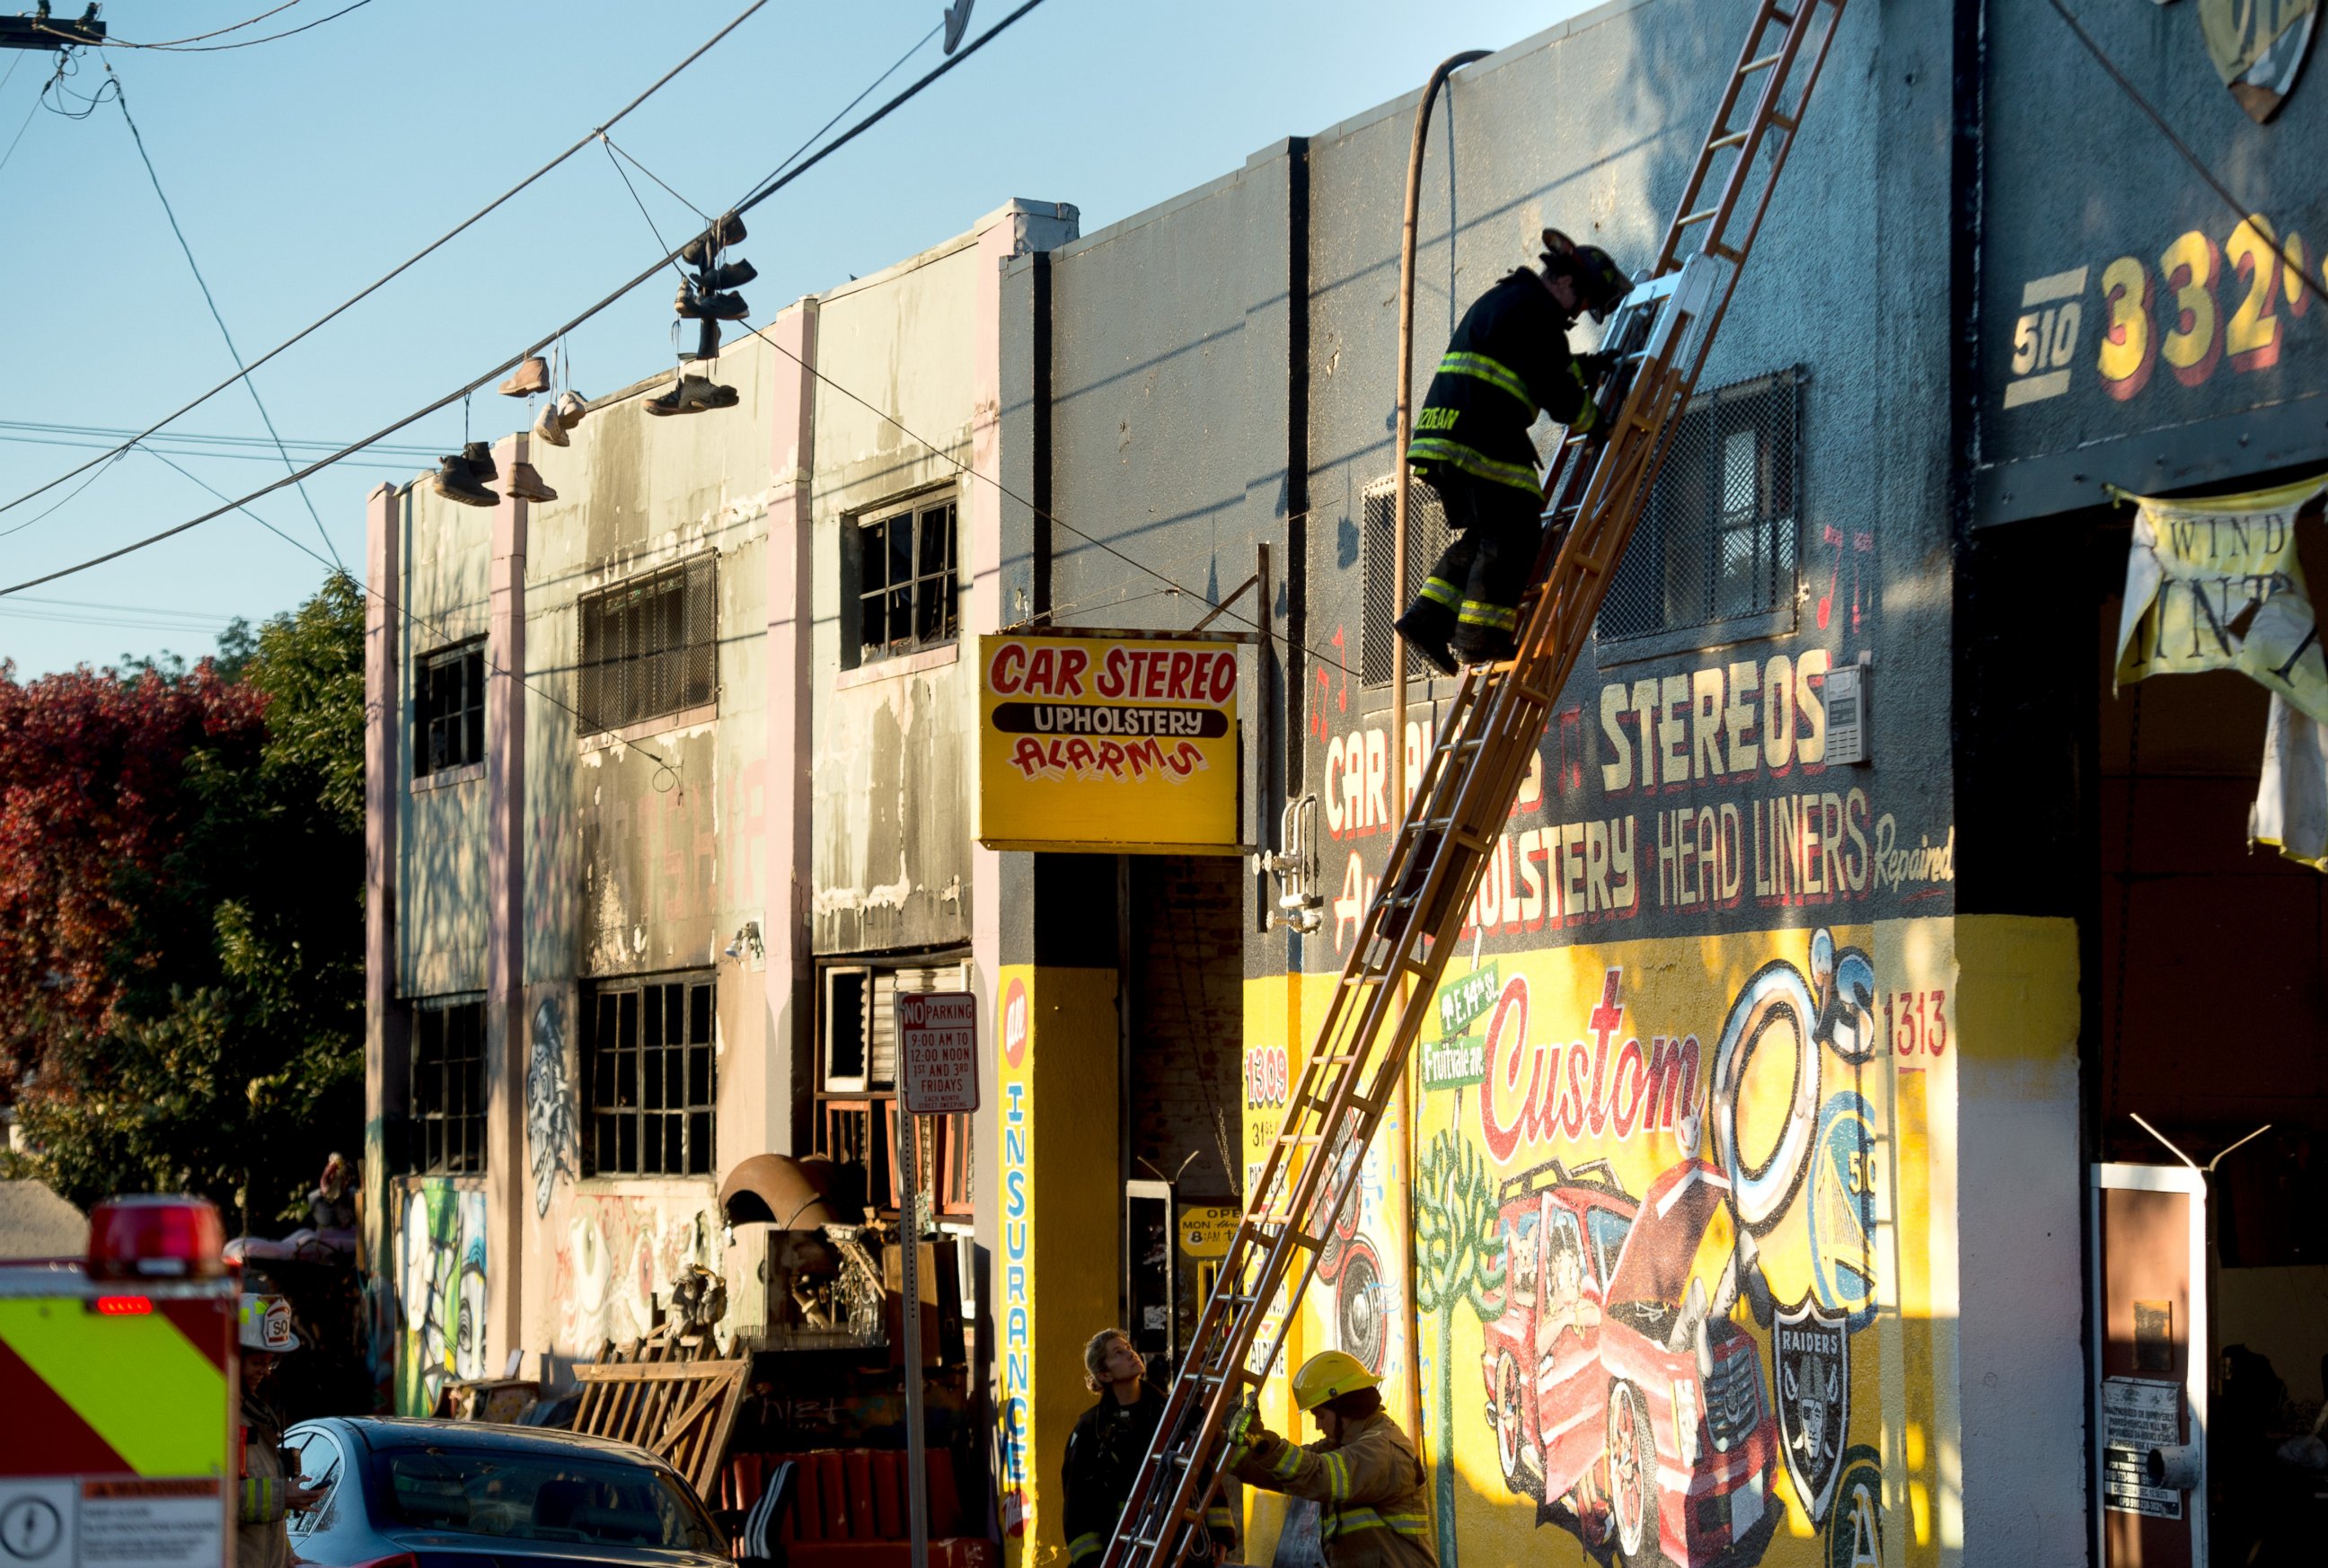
(1403,481)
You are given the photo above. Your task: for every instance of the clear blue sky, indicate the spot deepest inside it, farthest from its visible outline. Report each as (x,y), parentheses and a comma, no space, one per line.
(302,169)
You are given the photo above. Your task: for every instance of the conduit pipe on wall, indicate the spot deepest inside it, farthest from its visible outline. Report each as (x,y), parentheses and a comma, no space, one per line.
(1403,481)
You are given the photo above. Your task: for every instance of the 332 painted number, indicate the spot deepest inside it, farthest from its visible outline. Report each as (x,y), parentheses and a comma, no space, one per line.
(1916,1022)
(2176,313)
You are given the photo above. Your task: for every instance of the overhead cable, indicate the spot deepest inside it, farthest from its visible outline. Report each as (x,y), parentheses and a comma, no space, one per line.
(121,99)
(768,188)
(410,262)
(2239,208)
(188,46)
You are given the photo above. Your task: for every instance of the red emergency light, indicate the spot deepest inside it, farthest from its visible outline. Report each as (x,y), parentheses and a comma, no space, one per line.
(125,1306)
(174,1237)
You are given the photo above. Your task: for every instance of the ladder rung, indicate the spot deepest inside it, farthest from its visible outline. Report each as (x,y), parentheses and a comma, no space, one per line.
(1697,217)
(1764,62)
(1786,123)
(1735,138)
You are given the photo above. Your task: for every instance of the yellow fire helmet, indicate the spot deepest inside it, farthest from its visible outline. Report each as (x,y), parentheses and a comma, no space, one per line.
(1329,1374)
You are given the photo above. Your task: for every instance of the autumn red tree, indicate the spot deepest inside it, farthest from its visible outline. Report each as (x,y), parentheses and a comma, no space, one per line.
(96,797)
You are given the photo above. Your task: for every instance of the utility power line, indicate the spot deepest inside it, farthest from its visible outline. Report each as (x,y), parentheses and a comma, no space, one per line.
(767,188)
(403,267)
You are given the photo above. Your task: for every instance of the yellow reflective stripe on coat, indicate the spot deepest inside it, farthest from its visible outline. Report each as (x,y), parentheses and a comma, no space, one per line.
(1475,613)
(1337,1475)
(1494,373)
(1586,418)
(1287,1462)
(142,1385)
(1440,591)
(1455,454)
(1082,1547)
(1408,1522)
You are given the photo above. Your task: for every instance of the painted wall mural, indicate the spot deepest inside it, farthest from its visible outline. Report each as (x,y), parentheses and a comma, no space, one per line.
(440,1273)
(1657,1219)
(549,1127)
(616,1254)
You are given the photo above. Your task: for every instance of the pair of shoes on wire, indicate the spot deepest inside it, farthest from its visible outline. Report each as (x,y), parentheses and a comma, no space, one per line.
(463,476)
(691,394)
(559,417)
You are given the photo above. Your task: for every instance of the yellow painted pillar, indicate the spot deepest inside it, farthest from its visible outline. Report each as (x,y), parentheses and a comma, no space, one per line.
(1061,1207)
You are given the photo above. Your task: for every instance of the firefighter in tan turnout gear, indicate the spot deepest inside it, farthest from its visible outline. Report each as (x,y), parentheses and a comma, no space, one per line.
(1373,1504)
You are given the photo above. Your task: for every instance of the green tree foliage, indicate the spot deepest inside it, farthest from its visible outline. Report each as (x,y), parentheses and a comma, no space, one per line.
(214,1039)
(1456,1261)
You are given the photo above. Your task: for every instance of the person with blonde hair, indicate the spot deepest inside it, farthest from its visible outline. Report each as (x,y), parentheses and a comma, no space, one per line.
(1105,1449)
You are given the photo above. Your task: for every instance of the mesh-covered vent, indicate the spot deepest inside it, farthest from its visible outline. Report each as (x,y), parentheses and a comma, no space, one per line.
(1720,539)
(650,645)
(1427,534)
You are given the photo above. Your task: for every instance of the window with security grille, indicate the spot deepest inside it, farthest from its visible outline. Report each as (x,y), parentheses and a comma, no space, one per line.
(650,645)
(1720,543)
(652,1077)
(449,708)
(904,588)
(1427,535)
(446,1102)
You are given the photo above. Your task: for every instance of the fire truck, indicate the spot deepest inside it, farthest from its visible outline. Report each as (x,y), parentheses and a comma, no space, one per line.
(120,1395)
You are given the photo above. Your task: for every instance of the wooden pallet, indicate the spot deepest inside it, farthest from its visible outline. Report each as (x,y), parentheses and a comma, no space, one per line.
(670,1396)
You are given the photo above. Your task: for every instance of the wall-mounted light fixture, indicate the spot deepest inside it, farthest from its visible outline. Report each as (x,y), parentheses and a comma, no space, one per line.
(747,938)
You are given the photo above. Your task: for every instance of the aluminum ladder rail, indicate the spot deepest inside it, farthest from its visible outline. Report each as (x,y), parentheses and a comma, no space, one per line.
(1598,488)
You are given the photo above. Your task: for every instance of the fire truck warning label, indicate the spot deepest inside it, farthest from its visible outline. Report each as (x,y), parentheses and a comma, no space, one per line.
(68,1522)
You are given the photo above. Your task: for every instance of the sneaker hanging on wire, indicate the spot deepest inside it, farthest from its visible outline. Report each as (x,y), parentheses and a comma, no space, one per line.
(480,459)
(718,305)
(456,479)
(548,428)
(726,230)
(531,376)
(526,483)
(693,395)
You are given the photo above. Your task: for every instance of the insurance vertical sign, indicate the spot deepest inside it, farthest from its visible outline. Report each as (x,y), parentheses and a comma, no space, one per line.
(1114,745)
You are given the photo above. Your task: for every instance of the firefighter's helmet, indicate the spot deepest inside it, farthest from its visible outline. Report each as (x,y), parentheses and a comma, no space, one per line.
(1329,1374)
(264,1323)
(1599,282)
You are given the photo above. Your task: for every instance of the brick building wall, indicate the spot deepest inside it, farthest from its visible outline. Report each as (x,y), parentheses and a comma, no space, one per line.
(1187,1020)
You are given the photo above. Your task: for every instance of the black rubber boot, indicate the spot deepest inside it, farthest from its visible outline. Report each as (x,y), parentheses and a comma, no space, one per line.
(1426,626)
(456,479)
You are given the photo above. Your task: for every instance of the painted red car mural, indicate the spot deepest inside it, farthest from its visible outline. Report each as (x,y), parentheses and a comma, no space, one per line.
(1628,1408)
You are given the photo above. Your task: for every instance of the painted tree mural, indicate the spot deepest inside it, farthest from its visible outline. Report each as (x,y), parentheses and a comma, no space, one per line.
(1455,1262)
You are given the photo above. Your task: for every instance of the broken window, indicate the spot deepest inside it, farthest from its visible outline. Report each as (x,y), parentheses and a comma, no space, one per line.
(446,1100)
(1720,543)
(650,645)
(449,708)
(905,590)
(652,1078)
(857,1120)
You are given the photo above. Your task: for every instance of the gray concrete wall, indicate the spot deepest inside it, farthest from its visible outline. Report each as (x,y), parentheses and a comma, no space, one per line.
(2087,205)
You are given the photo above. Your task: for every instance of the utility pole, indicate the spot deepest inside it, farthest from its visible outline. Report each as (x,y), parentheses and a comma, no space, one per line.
(41,30)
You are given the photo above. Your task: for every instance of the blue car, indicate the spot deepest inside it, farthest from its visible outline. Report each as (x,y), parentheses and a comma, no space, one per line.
(457,1494)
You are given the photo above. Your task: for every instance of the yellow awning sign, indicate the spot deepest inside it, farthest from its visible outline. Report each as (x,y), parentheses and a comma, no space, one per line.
(1115,745)
(2215,585)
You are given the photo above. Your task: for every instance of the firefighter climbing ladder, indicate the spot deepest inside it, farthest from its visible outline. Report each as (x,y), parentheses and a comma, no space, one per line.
(1598,488)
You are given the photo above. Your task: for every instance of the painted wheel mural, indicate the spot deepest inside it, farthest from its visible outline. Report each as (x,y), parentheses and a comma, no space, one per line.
(1506,1417)
(1633,1475)
(1775,1008)
(1361,1319)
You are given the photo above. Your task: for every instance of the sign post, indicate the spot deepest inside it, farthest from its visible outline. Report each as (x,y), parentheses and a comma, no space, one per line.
(937,1075)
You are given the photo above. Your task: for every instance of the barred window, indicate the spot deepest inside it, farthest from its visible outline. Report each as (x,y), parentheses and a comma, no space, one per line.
(446,1103)
(650,645)
(1721,539)
(449,708)
(1427,537)
(907,591)
(652,1078)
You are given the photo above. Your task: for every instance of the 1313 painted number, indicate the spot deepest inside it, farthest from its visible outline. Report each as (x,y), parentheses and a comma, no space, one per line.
(1916,1022)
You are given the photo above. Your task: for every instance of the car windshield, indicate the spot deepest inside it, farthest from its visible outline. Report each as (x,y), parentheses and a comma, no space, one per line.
(1607,1228)
(519,1495)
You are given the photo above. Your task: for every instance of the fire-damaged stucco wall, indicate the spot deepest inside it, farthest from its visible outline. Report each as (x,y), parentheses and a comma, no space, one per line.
(441,870)
(893,763)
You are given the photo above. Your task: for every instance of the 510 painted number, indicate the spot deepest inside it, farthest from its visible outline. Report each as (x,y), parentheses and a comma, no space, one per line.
(1916,1022)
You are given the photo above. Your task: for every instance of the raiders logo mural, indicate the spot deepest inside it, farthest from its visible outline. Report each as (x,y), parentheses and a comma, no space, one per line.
(1810,1354)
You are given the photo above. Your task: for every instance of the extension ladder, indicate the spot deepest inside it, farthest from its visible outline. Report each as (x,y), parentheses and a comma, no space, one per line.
(1597,489)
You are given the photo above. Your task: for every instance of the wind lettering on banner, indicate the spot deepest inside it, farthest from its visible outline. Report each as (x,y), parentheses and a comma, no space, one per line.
(2216,585)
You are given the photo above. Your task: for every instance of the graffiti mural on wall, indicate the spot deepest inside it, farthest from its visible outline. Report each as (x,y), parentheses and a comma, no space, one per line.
(618,1255)
(1652,1248)
(441,1292)
(548,1105)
